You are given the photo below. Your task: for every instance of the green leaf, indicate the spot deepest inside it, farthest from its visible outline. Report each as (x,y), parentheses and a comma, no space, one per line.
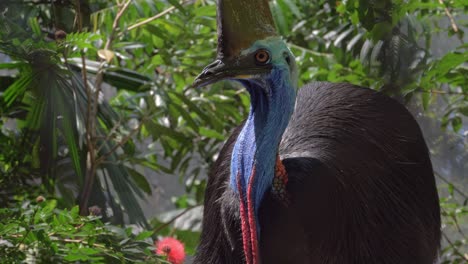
(50,206)
(293,8)
(190,122)
(464,110)
(34,24)
(158,130)
(12,65)
(176,4)
(70,131)
(450,189)
(193,107)
(144,235)
(140,180)
(210,133)
(19,87)
(381,30)
(447,63)
(279,17)
(426,98)
(456,123)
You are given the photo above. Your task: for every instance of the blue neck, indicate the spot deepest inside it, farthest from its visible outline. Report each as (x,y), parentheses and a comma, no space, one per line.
(272,103)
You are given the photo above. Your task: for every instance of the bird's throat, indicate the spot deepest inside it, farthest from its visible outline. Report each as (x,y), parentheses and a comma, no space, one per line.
(248,185)
(255,155)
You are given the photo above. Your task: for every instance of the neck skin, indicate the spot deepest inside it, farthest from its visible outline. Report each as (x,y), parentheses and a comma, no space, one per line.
(254,155)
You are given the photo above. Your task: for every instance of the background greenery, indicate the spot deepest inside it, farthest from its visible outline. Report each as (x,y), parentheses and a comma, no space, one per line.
(97,111)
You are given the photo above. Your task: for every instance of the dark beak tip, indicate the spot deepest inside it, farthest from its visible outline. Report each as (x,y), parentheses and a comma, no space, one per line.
(199,81)
(207,75)
(196,84)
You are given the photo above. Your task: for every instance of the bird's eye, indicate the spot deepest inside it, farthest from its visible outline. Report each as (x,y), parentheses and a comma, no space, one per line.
(262,56)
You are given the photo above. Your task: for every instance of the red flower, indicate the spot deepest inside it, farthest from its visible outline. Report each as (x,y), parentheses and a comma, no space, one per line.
(172,248)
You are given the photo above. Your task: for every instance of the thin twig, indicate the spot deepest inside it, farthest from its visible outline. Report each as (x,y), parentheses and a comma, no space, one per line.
(315,53)
(108,46)
(90,170)
(121,142)
(31,222)
(93,101)
(452,22)
(115,25)
(455,249)
(81,241)
(165,12)
(432,91)
(89,111)
(442,178)
(161,227)
(455,220)
(109,135)
(450,16)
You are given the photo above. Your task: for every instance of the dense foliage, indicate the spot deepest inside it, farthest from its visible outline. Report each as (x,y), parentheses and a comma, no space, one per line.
(94,93)
(37,232)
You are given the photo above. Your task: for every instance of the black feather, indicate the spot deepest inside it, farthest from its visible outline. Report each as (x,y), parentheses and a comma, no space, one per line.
(361,185)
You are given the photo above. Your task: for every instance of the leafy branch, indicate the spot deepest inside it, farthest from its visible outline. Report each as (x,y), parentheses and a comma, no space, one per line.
(121,142)
(93,105)
(455,248)
(159,15)
(452,20)
(168,223)
(433,91)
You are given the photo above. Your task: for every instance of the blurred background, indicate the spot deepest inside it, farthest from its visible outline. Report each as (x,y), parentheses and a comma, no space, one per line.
(105,147)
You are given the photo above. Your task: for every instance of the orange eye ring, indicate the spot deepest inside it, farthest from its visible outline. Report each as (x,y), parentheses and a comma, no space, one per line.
(262,56)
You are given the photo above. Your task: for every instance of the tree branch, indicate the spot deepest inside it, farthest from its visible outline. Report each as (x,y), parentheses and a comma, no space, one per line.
(452,22)
(115,25)
(442,178)
(122,142)
(108,46)
(161,227)
(93,105)
(315,53)
(454,247)
(433,91)
(109,135)
(90,170)
(165,12)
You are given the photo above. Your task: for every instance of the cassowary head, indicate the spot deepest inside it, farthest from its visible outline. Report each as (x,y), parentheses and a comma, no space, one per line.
(249,48)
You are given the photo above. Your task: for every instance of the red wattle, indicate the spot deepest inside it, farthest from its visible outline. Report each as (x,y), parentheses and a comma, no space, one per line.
(252,220)
(244,225)
(248,222)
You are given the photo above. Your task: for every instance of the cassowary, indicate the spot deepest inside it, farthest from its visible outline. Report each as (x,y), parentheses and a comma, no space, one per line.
(329,173)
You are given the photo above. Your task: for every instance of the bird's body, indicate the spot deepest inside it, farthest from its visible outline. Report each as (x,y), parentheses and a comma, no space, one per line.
(327,174)
(360,182)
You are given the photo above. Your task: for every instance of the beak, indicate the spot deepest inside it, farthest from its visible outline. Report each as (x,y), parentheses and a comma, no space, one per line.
(234,69)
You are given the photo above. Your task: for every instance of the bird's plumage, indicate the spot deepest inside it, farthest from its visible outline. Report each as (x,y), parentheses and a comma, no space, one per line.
(360,180)
(339,175)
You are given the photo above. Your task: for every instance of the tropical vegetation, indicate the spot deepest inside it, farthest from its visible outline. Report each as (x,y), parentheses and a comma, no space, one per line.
(96,105)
